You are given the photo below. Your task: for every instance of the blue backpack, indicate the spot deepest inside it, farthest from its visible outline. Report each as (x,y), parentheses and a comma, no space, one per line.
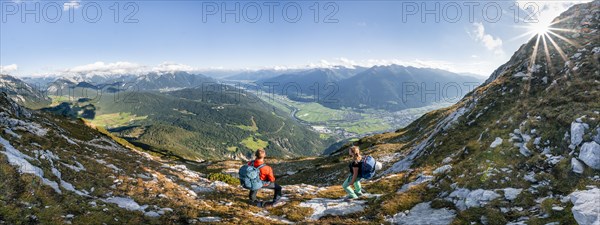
(250,176)
(368,167)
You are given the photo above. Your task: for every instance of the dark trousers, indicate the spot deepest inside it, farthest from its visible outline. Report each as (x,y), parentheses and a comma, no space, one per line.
(267,185)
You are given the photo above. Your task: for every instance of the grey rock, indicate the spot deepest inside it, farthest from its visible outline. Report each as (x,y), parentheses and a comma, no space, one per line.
(577,166)
(585,206)
(577,131)
(590,154)
(422,213)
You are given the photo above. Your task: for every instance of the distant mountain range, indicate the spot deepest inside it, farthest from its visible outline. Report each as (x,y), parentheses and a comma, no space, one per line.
(146,82)
(390,87)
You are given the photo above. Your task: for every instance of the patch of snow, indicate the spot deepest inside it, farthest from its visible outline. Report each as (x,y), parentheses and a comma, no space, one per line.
(125,203)
(77,168)
(69,140)
(201,189)
(585,206)
(422,213)
(335,207)
(304,189)
(209,219)
(265,215)
(48,155)
(520,74)
(16,124)
(189,175)
(18,159)
(216,184)
(496,143)
(104,143)
(151,214)
(11,133)
(590,154)
(113,167)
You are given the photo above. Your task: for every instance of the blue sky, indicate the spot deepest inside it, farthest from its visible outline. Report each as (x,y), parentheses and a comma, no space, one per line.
(189,35)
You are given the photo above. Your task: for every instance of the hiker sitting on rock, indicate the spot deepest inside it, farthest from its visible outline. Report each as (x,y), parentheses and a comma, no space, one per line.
(266,177)
(355,174)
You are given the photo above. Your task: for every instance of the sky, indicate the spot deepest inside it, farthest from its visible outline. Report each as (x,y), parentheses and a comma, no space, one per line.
(112,37)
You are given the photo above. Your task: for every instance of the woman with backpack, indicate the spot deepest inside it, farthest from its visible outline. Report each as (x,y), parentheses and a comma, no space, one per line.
(355,174)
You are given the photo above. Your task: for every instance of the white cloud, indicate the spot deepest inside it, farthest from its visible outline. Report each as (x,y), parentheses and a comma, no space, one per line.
(101,68)
(172,67)
(490,42)
(75,4)
(8,68)
(122,68)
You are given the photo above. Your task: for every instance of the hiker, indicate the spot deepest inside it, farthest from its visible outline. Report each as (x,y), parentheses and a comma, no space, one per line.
(355,175)
(267,178)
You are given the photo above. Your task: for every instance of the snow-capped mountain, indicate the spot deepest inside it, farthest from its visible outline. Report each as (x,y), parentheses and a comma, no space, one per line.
(150,81)
(22,92)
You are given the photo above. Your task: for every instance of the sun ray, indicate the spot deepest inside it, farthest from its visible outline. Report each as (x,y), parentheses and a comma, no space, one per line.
(563,30)
(547,53)
(565,39)
(529,33)
(560,51)
(534,55)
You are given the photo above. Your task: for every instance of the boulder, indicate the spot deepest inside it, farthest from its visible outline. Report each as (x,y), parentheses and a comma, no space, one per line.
(577,166)
(512,193)
(480,197)
(577,131)
(590,154)
(585,206)
(597,137)
(442,169)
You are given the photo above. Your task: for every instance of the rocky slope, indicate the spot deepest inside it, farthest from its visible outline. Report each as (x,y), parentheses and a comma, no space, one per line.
(60,171)
(523,148)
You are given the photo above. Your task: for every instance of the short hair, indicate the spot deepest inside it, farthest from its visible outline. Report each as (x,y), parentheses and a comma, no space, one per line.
(260,153)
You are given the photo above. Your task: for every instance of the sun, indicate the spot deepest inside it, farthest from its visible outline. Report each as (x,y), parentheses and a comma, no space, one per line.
(540,28)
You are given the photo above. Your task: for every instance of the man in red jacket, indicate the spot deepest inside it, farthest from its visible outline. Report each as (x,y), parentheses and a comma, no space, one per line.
(266,176)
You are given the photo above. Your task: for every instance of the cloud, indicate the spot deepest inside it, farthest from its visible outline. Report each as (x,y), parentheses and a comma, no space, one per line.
(490,42)
(102,68)
(172,67)
(75,4)
(123,68)
(8,68)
